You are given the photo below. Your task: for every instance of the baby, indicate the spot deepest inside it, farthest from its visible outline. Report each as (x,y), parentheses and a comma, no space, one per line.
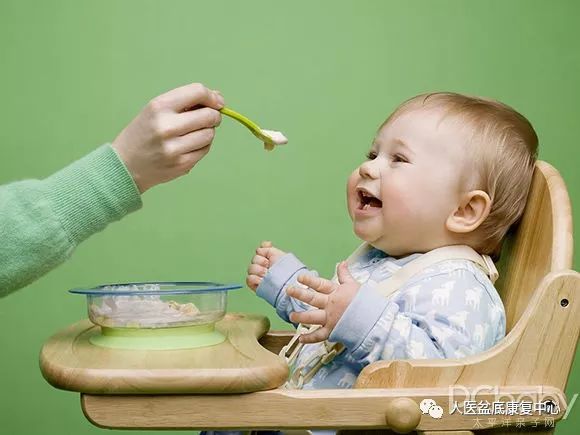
(445,178)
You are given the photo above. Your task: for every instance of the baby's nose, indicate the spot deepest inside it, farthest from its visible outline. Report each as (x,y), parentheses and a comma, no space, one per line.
(367,170)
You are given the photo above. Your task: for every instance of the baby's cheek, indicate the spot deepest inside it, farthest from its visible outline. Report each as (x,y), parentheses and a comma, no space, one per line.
(442,183)
(352,181)
(398,202)
(351,198)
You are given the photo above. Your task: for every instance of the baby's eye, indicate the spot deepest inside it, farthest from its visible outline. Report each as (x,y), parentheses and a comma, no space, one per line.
(371,155)
(398,158)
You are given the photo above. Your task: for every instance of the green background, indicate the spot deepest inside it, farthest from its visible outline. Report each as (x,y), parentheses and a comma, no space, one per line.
(326,73)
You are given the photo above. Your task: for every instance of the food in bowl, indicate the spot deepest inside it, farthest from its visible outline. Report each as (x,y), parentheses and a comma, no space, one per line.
(156,305)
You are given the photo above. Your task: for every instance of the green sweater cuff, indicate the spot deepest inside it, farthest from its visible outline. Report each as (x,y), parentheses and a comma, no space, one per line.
(92,192)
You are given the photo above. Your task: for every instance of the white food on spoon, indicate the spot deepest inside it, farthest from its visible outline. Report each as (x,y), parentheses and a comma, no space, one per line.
(277,137)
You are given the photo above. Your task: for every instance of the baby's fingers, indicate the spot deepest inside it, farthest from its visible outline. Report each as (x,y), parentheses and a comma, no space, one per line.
(317,283)
(317,336)
(256,269)
(308,296)
(265,252)
(253,281)
(260,260)
(310,317)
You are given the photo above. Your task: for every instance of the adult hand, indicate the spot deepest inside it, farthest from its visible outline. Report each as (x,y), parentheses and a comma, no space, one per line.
(170,135)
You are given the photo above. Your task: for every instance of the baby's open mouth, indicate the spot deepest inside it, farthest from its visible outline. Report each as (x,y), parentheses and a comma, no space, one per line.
(366,200)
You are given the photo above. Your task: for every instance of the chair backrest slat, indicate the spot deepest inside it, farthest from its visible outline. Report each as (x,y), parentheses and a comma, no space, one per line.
(540,244)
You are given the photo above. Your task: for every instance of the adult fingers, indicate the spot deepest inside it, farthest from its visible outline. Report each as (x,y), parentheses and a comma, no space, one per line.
(192,120)
(188,160)
(190,142)
(188,96)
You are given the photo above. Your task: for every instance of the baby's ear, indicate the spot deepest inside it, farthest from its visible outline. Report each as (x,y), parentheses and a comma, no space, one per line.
(470,213)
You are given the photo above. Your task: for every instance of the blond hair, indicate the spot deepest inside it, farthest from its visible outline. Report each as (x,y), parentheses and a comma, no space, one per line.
(503,147)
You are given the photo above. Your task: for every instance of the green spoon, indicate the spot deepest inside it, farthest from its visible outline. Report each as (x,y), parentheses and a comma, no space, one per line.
(269,137)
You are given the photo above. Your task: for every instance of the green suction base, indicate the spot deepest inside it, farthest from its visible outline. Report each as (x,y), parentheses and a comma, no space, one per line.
(185,337)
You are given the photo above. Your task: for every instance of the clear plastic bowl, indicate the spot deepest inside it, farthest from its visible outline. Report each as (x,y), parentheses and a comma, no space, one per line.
(150,305)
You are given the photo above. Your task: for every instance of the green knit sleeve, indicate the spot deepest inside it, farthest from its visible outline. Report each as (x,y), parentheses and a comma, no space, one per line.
(42,221)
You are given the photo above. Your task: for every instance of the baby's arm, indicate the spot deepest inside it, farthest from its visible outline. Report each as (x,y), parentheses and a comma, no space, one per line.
(283,273)
(449,315)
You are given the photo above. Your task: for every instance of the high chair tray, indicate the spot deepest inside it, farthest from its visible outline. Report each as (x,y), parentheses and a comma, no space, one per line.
(239,364)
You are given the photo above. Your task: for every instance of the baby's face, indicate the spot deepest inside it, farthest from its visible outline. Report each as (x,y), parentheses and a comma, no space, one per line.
(400,197)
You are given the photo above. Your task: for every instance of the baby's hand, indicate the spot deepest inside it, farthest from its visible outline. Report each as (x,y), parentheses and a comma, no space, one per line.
(266,256)
(330,299)
(170,135)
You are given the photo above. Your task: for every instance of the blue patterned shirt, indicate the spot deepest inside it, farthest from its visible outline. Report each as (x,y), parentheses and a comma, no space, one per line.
(448,310)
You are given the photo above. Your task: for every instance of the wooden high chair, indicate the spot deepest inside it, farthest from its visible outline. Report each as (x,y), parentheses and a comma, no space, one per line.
(531,364)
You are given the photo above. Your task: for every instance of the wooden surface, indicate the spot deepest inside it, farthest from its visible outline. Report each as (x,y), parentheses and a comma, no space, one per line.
(287,409)
(542,243)
(274,341)
(70,362)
